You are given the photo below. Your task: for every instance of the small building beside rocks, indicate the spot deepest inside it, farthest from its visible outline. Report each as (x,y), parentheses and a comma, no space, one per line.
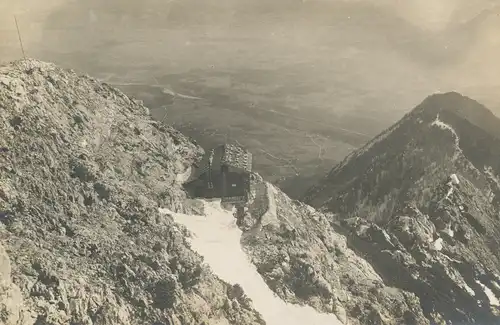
(224,172)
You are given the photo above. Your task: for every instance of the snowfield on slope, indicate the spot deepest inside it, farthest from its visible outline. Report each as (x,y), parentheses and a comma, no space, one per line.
(216,237)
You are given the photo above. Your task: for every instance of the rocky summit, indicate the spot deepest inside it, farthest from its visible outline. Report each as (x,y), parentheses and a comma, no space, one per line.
(421,203)
(83,170)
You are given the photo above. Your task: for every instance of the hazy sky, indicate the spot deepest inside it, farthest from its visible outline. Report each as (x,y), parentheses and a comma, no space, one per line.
(406,47)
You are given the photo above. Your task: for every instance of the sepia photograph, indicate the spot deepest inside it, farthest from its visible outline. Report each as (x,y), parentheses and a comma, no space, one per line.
(249,162)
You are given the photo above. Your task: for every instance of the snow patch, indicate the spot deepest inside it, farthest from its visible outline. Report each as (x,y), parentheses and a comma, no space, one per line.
(442,125)
(437,245)
(387,237)
(449,193)
(447,230)
(469,289)
(453,181)
(271,215)
(216,237)
(497,282)
(489,293)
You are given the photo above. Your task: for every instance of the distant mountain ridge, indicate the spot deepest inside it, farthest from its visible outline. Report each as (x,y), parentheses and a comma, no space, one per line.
(448,129)
(421,202)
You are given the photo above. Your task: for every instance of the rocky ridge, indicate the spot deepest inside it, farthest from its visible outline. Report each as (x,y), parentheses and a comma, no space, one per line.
(420,201)
(83,170)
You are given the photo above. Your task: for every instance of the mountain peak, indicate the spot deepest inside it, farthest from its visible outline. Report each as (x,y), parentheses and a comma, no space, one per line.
(446,132)
(461,106)
(451,100)
(426,192)
(449,95)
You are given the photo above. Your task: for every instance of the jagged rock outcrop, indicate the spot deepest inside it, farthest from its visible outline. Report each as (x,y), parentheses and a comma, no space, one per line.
(420,201)
(305,261)
(83,170)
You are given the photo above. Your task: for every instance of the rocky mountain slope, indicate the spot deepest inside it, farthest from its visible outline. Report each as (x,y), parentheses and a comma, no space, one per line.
(305,261)
(83,170)
(420,201)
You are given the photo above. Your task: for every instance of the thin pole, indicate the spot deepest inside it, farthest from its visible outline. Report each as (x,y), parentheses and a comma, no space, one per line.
(20,40)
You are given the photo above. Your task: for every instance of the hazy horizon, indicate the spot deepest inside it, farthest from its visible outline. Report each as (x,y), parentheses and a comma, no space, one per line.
(379,46)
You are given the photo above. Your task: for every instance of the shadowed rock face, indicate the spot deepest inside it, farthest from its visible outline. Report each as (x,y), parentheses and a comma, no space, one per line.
(83,170)
(421,202)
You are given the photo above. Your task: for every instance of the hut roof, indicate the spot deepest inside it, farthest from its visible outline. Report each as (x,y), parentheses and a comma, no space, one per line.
(226,154)
(237,157)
